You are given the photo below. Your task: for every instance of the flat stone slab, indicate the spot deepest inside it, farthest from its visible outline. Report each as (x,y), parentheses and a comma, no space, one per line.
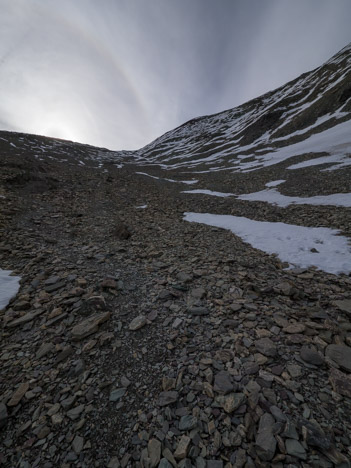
(18,394)
(167,398)
(137,323)
(344,305)
(230,402)
(89,326)
(223,382)
(266,347)
(341,382)
(311,356)
(341,355)
(265,441)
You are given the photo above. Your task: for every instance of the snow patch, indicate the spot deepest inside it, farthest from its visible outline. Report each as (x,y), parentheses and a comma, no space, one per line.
(210,192)
(274,183)
(273,197)
(298,245)
(9,286)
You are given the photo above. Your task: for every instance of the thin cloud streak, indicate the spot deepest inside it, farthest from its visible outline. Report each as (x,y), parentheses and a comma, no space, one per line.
(119,73)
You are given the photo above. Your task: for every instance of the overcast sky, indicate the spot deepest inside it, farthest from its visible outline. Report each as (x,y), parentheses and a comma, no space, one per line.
(119,73)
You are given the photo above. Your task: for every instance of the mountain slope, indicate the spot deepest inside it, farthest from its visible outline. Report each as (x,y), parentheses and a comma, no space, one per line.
(171,320)
(262,131)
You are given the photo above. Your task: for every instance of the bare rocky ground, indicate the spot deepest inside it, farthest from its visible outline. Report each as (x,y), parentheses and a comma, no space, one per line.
(140,340)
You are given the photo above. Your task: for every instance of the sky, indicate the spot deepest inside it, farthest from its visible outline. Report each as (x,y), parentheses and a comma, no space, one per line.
(120,73)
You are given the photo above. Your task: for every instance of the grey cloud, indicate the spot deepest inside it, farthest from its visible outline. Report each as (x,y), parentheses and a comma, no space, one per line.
(119,73)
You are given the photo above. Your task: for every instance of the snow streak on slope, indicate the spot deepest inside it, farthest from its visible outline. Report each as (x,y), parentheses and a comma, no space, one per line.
(308,115)
(9,286)
(298,245)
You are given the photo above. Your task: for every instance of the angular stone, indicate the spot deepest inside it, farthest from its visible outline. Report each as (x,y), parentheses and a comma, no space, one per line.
(266,347)
(137,323)
(294,328)
(77,444)
(195,310)
(344,305)
(74,413)
(290,431)
(214,464)
(198,293)
(164,463)
(341,355)
(311,356)
(182,447)
(231,402)
(154,452)
(168,383)
(295,449)
(117,394)
(89,326)
(277,413)
(18,394)
(44,349)
(265,440)
(187,422)
(25,318)
(55,287)
(341,382)
(3,415)
(167,398)
(223,382)
(314,435)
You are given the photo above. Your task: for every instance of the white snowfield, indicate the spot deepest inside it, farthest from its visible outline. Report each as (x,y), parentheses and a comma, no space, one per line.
(300,246)
(9,286)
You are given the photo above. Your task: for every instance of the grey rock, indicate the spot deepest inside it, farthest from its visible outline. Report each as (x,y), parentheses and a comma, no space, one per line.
(186,463)
(137,323)
(197,310)
(167,398)
(198,293)
(231,402)
(117,394)
(266,346)
(277,413)
(77,444)
(45,349)
(314,435)
(295,449)
(265,440)
(187,422)
(74,413)
(341,355)
(55,287)
(311,356)
(154,452)
(290,431)
(200,462)
(341,382)
(344,305)
(214,464)
(3,415)
(89,326)
(164,463)
(223,382)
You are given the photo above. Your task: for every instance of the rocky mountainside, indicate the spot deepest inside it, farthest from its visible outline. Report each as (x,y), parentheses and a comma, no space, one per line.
(141,339)
(308,115)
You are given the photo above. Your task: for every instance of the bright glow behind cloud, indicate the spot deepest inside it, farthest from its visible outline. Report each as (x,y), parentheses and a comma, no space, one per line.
(119,73)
